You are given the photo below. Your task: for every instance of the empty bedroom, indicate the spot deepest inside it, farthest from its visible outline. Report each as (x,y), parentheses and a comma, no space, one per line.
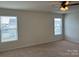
(39,28)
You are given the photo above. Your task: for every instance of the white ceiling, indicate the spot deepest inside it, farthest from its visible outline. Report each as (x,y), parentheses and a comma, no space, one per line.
(44,6)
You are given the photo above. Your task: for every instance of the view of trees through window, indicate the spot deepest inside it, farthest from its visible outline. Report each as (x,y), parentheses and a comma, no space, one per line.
(8,28)
(57,26)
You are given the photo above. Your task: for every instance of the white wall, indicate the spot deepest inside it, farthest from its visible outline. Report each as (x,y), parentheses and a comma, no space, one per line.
(72,27)
(33,28)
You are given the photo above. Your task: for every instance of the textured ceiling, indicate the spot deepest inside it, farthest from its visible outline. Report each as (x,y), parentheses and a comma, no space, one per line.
(44,6)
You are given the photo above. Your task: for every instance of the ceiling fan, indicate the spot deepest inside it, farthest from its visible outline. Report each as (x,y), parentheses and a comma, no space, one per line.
(65,5)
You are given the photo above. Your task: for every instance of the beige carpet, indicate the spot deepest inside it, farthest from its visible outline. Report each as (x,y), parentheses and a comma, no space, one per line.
(54,49)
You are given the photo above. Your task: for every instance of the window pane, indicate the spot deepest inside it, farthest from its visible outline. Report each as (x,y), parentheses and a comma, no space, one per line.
(57,26)
(8,28)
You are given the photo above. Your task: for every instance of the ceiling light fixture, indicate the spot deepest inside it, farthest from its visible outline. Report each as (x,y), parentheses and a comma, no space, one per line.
(64,6)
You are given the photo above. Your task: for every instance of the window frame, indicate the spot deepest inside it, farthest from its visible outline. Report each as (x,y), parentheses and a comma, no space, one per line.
(16,29)
(61,26)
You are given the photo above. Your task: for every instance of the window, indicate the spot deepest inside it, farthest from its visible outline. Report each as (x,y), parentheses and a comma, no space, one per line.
(8,28)
(57,26)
